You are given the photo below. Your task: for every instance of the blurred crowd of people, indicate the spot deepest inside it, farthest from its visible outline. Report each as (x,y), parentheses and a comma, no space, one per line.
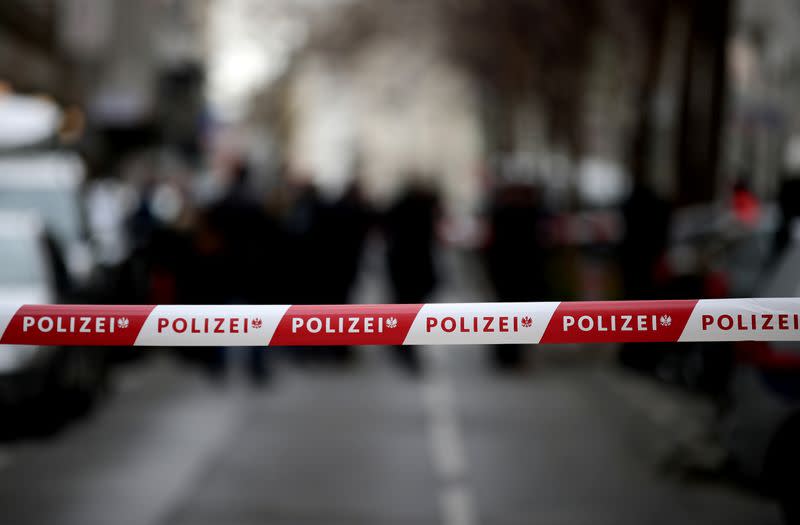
(229,237)
(239,244)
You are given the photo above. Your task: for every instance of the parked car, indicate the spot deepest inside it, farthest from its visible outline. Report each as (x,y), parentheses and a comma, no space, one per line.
(761,424)
(711,254)
(57,380)
(51,184)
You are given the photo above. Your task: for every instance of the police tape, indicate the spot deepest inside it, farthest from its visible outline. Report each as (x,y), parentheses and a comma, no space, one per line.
(774,319)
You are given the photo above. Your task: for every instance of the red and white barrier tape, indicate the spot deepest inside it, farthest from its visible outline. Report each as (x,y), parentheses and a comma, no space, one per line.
(402,324)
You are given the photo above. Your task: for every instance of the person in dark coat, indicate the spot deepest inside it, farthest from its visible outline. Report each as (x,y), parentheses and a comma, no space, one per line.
(338,234)
(236,246)
(302,276)
(643,248)
(789,203)
(646,217)
(515,256)
(409,227)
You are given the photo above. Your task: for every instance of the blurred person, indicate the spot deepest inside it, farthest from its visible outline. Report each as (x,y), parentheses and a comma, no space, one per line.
(789,204)
(159,224)
(642,262)
(515,256)
(232,262)
(643,247)
(327,239)
(746,206)
(302,281)
(338,234)
(159,253)
(109,203)
(342,229)
(301,215)
(409,226)
(160,247)
(203,281)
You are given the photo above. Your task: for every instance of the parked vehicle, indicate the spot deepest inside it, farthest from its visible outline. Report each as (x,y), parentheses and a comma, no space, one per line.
(57,380)
(51,184)
(761,425)
(711,254)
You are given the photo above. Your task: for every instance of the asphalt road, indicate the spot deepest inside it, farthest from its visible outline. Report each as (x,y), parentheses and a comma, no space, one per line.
(567,441)
(365,444)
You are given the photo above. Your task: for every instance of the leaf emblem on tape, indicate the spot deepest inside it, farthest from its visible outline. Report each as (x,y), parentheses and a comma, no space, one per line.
(256,322)
(665,320)
(123,322)
(527,322)
(391,322)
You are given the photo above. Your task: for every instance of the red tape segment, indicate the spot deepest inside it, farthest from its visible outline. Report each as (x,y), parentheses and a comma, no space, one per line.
(345,325)
(771,319)
(633,321)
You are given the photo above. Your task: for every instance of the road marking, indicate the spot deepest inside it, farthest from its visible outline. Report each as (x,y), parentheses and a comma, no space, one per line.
(447,454)
(447,447)
(457,508)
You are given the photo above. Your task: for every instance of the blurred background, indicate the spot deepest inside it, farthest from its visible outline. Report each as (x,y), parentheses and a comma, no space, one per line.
(335,151)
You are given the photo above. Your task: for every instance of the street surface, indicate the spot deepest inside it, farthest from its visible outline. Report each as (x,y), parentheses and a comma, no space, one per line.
(569,440)
(364,445)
